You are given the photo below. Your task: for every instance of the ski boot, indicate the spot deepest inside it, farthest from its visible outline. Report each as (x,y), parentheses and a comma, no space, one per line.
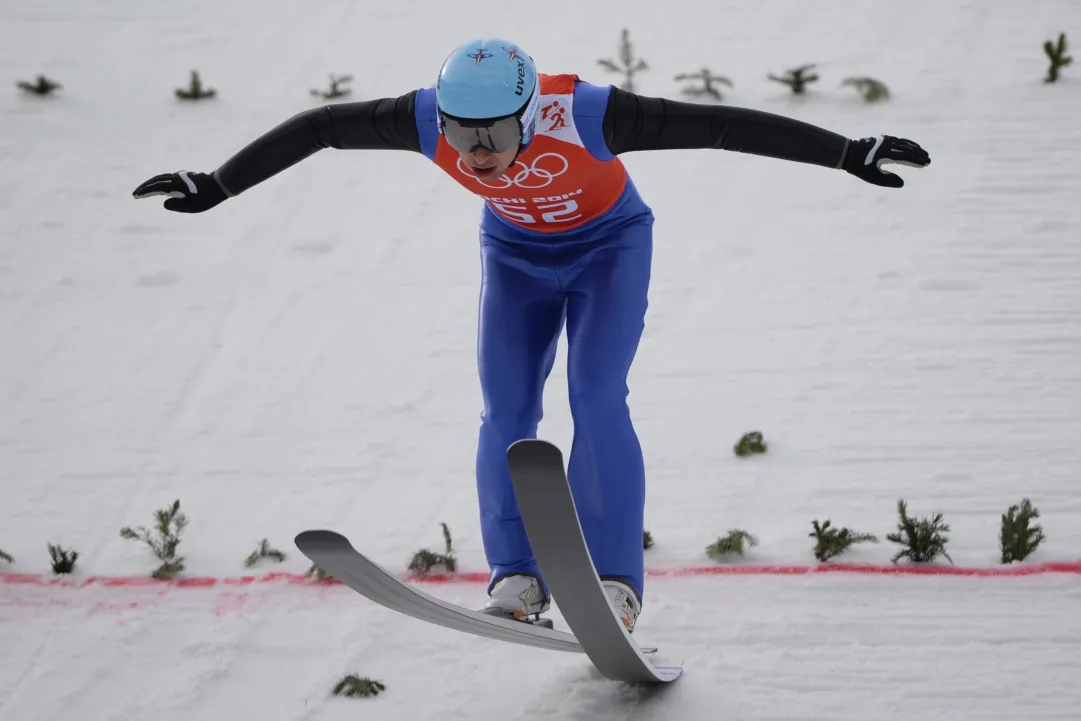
(625,602)
(519,598)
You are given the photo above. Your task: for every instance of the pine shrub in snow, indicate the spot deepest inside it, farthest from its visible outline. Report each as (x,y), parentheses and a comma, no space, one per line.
(831,542)
(628,65)
(6,557)
(871,89)
(195,89)
(708,87)
(264,551)
(1018,538)
(163,539)
(1057,55)
(318,574)
(647,540)
(749,444)
(923,540)
(41,86)
(737,541)
(353,685)
(62,561)
(425,560)
(797,78)
(335,91)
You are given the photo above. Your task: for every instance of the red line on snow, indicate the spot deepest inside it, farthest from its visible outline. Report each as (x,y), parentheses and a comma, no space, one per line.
(1070,567)
(872,569)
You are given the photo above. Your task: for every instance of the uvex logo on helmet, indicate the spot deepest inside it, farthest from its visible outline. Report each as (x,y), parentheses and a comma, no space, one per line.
(519,87)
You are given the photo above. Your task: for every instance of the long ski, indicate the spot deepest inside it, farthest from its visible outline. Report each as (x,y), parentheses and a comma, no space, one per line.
(333,553)
(555,533)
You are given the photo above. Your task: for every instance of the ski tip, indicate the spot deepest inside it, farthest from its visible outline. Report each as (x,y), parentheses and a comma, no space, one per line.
(315,538)
(534,450)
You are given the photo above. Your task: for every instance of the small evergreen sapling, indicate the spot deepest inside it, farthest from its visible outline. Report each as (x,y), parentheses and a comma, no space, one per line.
(1018,539)
(195,89)
(6,557)
(924,540)
(871,89)
(264,551)
(750,443)
(356,686)
(797,78)
(62,561)
(163,540)
(425,560)
(318,574)
(737,541)
(630,67)
(1058,57)
(647,540)
(335,90)
(708,86)
(830,542)
(42,86)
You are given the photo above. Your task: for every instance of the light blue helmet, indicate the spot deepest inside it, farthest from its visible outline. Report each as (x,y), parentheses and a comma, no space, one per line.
(488,78)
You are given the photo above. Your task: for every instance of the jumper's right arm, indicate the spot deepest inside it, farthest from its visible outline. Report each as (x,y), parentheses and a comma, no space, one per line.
(380,124)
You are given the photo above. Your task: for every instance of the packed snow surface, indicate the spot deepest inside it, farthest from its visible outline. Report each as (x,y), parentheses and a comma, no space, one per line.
(304,356)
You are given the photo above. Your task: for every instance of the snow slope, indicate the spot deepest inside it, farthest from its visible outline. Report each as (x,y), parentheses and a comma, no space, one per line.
(304,356)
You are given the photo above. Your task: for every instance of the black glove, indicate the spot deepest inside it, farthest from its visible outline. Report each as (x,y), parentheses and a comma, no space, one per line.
(867,156)
(188,192)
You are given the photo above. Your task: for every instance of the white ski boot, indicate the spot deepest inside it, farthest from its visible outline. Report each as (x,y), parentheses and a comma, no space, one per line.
(625,602)
(519,597)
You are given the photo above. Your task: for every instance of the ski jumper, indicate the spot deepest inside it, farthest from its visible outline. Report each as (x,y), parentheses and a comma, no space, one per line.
(565,241)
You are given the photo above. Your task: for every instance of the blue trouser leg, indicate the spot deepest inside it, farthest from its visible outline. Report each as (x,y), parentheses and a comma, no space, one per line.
(606,309)
(521,315)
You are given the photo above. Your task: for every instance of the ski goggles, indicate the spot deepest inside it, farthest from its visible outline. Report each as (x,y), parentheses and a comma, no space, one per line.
(494,134)
(465,136)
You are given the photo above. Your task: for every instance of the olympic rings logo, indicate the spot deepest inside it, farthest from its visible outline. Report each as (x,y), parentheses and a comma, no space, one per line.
(531,177)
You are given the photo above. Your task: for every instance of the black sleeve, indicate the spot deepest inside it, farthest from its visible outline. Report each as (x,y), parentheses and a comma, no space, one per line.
(381,124)
(634,122)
